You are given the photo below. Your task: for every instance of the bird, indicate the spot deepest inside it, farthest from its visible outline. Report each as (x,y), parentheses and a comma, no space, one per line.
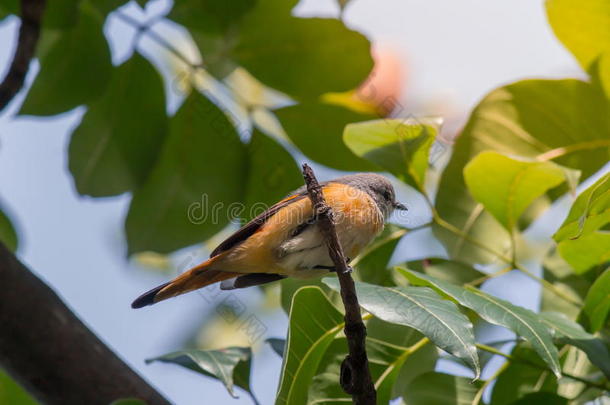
(286,241)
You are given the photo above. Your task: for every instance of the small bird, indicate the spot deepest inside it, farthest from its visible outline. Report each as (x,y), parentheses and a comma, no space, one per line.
(285,240)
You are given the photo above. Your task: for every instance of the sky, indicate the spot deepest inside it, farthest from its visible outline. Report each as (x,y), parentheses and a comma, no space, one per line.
(453,53)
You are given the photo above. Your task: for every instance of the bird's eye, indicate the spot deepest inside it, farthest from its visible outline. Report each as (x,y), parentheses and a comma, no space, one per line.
(387,195)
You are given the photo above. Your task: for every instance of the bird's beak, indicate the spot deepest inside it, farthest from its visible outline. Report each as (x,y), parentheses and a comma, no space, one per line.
(400,206)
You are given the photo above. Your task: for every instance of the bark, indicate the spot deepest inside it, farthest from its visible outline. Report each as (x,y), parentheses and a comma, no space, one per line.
(51,353)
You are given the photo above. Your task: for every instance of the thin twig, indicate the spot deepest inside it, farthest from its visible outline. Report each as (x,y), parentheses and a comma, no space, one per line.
(29,32)
(355,374)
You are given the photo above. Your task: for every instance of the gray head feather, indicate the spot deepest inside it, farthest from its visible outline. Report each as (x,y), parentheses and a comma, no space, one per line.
(377,186)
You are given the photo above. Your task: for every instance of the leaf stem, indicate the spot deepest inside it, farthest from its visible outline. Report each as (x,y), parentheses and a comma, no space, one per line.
(545,283)
(577,147)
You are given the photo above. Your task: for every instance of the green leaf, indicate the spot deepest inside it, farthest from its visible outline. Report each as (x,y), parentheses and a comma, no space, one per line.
(372,264)
(424,310)
(546,398)
(314,323)
(527,118)
(118,140)
(582,26)
(9,7)
(272,173)
(199,173)
(12,393)
(520,379)
(61,14)
(128,401)
(387,359)
(587,251)
(420,358)
(209,16)
(561,275)
(506,187)
(231,365)
(499,312)
(402,147)
(75,70)
(107,6)
(597,302)
(303,57)
(435,388)
(290,285)
(451,271)
(214,49)
(590,211)
(572,333)
(312,124)
(8,235)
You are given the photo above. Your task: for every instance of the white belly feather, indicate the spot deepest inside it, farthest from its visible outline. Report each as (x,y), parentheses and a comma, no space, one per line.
(299,255)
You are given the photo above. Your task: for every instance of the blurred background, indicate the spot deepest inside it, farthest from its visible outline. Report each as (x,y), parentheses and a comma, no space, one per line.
(437,57)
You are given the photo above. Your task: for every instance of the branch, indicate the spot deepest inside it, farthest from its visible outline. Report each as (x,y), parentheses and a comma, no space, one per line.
(51,353)
(355,374)
(31,15)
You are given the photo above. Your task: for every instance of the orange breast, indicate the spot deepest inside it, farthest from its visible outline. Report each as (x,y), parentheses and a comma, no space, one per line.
(357,220)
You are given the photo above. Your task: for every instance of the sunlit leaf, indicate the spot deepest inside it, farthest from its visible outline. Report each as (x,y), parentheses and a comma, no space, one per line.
(75,69)
(520,379)
(312,124)
(231,366)
(575,133)
(435,388)
(200,172)
(506,186)
(582,26)
(587,251)
(597,302)
(499,312)
(314,323)
(303,57)
(590,211)
(424,310)
(120,137)
(401,147)
(572,333)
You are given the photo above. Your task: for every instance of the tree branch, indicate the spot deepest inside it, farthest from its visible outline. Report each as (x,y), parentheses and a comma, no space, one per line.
(355,374)
(29,31)
(51,353)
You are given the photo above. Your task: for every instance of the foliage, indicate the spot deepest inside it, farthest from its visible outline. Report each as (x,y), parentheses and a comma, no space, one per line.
(525,146)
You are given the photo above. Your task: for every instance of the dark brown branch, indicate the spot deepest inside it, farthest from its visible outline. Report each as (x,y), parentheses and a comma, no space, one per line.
(355,374)
(29,31)
(51,353)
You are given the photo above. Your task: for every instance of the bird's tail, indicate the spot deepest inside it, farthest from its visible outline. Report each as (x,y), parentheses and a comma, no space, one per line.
(193,279)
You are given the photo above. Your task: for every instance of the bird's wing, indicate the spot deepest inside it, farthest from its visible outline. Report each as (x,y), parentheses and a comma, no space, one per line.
(251,227)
